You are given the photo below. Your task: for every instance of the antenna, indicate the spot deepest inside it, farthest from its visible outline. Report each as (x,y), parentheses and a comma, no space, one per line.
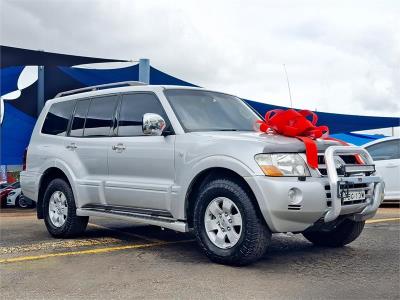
(288,85)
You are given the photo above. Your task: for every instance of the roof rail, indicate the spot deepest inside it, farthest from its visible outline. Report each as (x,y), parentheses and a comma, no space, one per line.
(100,87)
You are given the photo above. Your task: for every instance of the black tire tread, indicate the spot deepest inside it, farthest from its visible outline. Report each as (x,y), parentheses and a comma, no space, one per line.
(74,225)
(257,235)
(345,233)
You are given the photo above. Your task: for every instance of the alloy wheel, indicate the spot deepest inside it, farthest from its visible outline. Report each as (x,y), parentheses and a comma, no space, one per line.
(223,222)
(58,208)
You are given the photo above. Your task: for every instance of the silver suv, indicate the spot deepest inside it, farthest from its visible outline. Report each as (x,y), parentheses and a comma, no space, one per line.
(189,159)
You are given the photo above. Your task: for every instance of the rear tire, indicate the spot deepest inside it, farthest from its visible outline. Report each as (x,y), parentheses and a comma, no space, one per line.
(60,211)
(343,234)
(237,235)
(21,202)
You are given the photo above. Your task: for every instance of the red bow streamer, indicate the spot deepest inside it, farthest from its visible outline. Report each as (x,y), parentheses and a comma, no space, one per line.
(294,123)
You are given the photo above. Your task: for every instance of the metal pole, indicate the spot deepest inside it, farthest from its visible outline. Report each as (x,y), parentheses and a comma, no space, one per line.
(288,85)
(40,89)
(144,70)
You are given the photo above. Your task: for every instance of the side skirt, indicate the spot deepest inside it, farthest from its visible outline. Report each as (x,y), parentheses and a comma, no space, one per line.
(135,216)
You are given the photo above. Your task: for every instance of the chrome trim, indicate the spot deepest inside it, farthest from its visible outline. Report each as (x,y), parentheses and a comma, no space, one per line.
(135,217)
(153,124)
(130,209)
(118,148)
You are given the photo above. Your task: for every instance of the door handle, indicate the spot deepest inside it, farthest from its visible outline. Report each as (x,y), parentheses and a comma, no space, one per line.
(119,147)
(71,146)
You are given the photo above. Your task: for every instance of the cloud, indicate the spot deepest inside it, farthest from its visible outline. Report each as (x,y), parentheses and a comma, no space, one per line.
(341,57)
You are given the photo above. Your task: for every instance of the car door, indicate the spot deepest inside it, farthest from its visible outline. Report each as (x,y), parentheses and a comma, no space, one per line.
(90,130)
(141,168)
(386,157)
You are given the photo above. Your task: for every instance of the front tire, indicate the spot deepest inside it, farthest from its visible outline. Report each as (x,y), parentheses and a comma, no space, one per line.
(227,224)
(60,211)
(344,233)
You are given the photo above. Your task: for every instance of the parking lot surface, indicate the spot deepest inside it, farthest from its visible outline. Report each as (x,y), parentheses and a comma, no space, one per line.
(125,260)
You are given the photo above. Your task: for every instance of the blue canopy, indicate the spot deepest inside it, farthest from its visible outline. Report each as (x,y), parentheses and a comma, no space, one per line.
(15,133)
(20,114)
(339,123)
(13,56)
(357,138)
(336,122)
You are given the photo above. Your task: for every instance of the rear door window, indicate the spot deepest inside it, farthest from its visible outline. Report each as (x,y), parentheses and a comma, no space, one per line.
(78,122)
(57,119)
(100,116)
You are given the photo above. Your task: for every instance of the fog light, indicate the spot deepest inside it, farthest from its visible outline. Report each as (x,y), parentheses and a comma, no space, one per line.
(295,196)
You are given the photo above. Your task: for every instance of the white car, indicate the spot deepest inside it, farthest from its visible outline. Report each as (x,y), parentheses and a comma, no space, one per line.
(386,155)
(13,197)
(16,198)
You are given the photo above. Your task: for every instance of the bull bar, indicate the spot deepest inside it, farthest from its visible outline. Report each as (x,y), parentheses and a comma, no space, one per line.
(336,182)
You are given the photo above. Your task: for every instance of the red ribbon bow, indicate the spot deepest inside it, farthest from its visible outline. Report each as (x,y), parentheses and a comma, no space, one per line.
(294,123)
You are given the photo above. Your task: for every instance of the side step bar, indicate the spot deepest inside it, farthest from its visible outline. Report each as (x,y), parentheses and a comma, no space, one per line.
(135,217)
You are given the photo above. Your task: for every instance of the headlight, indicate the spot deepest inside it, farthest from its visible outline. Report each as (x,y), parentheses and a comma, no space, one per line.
(282,164)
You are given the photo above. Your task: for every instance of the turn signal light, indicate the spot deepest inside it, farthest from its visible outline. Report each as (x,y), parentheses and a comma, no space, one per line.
(271,170)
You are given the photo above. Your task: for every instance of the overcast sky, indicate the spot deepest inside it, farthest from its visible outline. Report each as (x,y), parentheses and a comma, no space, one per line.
(340,57)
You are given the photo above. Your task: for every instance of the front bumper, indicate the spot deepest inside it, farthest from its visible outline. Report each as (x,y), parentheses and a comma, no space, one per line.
(317,198)
(10,200)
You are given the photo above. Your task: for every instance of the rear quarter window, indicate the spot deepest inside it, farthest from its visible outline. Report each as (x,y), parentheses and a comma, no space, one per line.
(57,118)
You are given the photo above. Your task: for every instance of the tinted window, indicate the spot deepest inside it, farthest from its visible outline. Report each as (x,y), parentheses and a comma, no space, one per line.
(100,116)
(56,122)
(385,150)
(133,107)
(78,122)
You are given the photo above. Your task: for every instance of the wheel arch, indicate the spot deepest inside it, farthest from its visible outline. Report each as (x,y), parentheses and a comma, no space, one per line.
(208,175)
(47,176)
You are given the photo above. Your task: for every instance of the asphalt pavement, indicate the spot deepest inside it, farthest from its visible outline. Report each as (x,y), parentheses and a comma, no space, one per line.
(116,259)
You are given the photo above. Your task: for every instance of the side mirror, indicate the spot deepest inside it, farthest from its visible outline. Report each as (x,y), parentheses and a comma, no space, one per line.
(153,124)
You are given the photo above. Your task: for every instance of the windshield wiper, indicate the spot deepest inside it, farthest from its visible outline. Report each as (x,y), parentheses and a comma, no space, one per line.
(227,129)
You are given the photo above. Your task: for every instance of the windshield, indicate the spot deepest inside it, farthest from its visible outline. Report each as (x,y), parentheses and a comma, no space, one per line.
(210,111)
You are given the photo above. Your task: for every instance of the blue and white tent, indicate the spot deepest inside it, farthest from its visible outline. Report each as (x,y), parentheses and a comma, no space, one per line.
(19,102)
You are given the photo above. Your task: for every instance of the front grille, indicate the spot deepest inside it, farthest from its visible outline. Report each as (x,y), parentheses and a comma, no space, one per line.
(294,206)
(345,186)
(348,159)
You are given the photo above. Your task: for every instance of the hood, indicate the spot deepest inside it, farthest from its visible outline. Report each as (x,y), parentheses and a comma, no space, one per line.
(272,143)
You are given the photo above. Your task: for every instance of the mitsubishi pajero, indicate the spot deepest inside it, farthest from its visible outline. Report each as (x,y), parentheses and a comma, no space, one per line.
(189,159)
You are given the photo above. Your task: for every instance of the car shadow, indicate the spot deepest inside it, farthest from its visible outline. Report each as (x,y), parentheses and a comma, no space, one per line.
(286,251)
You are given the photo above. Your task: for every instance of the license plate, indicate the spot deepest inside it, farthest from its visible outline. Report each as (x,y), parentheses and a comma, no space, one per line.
(356,195)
